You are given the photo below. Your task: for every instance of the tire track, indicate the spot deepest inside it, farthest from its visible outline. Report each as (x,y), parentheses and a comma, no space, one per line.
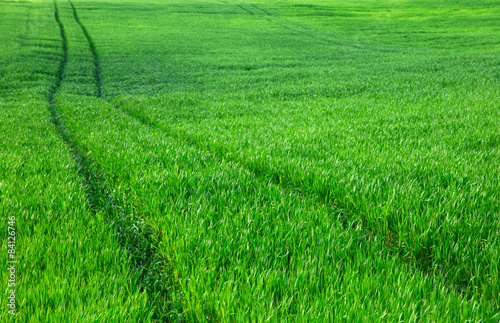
(59,76)
(244,9)
(27,27)
(293,30)
(269,18)
(260,9)
(280,179)
(286,183)
(97,67)
(135,235)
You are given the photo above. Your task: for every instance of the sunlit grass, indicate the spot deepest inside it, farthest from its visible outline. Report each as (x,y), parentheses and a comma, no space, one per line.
(290,161)
(69,264)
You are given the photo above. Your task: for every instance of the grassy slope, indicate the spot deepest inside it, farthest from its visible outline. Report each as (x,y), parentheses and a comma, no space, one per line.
(70,267)
(296,107)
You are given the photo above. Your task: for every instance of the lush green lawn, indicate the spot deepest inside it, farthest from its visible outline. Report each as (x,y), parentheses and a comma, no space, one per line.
(258,160)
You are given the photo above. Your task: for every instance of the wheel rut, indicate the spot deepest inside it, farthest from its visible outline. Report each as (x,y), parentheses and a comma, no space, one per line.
(95,56)
(287,184)
(280,179)
(293,28)
(135,235)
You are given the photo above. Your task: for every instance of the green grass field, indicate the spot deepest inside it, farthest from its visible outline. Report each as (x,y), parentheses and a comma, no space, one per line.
(250,161)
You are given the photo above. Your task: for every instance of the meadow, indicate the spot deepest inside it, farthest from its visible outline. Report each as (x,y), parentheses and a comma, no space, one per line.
(235,161)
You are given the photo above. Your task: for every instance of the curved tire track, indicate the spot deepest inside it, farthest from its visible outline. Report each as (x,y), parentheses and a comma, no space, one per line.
(136,236)
(97,67)
(286,183)
(280,179)
(293,30)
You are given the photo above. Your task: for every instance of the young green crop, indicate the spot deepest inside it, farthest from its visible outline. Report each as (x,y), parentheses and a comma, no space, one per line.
(335,101)
(68,266)
(250,131)
(290,161)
